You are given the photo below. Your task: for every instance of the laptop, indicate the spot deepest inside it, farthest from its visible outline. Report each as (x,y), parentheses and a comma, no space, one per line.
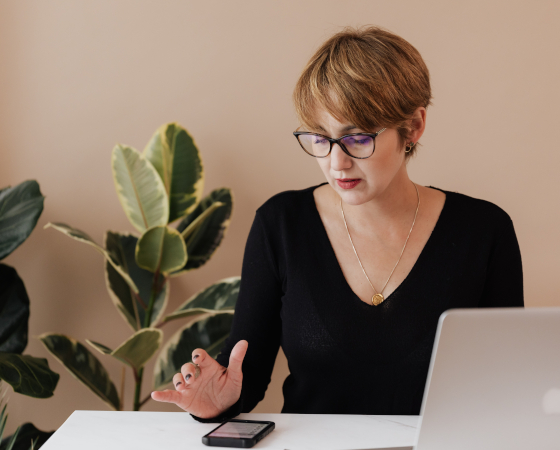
(494,381)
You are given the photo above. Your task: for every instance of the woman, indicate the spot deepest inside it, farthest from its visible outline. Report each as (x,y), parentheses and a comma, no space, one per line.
(350,277)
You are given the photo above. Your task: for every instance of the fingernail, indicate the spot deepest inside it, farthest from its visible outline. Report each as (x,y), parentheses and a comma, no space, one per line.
(178,383)
(188,377)
(194,357)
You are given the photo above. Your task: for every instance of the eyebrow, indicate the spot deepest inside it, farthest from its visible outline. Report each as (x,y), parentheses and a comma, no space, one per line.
(344,129)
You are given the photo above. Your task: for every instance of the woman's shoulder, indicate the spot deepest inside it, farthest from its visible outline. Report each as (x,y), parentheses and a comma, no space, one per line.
(288,202)
(471,210)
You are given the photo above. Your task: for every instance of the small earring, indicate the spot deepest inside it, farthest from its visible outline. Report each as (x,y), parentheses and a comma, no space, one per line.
(409,147)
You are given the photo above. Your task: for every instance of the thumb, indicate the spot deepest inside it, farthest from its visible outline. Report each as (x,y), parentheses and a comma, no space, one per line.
(236,360)
(167,396)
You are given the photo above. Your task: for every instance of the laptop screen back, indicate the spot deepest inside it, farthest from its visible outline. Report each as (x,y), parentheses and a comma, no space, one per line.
(494,381)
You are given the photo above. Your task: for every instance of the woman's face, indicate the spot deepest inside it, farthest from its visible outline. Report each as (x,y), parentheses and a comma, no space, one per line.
(358,181)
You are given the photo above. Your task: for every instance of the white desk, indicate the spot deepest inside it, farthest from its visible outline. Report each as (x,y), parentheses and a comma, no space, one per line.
(108,430)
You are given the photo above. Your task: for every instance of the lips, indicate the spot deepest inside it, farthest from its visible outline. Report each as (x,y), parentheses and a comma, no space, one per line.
(348,183)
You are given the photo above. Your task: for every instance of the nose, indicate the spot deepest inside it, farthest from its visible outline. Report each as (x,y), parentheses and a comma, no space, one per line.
(339,160)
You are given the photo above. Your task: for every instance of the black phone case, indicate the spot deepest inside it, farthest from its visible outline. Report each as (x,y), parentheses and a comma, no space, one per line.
(238,443)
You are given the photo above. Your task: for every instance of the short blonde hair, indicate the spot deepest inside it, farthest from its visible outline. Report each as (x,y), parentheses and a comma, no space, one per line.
(368,76)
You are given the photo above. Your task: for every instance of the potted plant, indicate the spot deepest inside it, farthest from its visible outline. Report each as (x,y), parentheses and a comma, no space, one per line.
(20,208)
(156,188)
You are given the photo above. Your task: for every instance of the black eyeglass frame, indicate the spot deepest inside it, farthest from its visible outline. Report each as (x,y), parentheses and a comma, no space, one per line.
(338,141)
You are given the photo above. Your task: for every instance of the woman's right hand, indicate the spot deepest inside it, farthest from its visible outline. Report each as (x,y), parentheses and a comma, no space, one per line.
(213,391)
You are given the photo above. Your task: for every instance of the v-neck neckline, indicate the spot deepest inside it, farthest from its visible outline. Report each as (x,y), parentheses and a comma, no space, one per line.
(417,263)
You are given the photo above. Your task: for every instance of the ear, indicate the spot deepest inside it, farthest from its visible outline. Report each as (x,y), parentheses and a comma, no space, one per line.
(417,124)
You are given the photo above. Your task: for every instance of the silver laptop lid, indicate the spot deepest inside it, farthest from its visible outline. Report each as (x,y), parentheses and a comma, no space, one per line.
(494,381)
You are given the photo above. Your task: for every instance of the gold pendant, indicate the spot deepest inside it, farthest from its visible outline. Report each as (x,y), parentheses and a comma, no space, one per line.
(377,299)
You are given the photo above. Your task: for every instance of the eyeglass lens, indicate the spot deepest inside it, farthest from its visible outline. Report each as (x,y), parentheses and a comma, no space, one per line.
(360,146)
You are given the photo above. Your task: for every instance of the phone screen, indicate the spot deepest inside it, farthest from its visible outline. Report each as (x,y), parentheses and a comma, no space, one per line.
(238,430)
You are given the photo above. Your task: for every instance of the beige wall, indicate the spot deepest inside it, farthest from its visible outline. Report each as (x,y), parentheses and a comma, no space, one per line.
(77,77)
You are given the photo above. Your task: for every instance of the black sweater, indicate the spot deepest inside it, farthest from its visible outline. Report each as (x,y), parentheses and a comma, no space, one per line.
(293,294)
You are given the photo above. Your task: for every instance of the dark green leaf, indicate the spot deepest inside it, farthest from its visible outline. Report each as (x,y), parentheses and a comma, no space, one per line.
(28,375)
(83,365)
(209,333)
(203,242)
(219,297)
(14,311)
(20,208)
(122,248)
(28,433)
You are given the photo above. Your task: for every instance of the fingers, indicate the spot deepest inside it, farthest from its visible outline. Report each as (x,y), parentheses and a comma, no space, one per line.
(236,360)
(190,372)
(200,357)
(167,396)
(179,382)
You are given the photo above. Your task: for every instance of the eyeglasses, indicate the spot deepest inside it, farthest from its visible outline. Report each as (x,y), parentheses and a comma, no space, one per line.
(356,145)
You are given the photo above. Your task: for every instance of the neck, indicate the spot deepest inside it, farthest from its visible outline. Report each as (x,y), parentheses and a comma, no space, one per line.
(389,209)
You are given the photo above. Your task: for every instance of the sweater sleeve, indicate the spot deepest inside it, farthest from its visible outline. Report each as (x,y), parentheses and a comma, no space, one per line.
(504,281)
(256,320)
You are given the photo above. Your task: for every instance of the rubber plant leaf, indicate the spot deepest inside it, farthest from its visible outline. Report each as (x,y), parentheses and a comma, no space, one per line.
(83,365)
(28,433)
(81,236)
(218,298)
(14,311)
(28,375)
(205,239)
(132,306)
(139,188)
(208,333)
(136,350)
(161,249)
(20,208)
(176,158)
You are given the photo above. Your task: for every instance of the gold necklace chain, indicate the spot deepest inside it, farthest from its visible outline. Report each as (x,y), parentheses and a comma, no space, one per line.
(377,297)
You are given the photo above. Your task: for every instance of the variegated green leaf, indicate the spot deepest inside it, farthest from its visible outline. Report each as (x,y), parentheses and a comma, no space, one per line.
(174,155)
(103,349)
(199,221)
(209,333)
(132,306)
(218,298)
(136,350)
(80,236)
(203,241)
(83,365)
(161,249)
(140,189)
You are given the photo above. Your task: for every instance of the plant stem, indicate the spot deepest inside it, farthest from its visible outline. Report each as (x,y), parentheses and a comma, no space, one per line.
(147,322)
(142,304)
(123,375)
(137,390)
(145,400)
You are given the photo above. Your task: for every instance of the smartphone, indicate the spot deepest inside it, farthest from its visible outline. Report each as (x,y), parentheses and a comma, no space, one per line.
(238,433)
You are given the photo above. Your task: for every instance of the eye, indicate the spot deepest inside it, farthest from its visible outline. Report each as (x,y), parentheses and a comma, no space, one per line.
(361,140)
